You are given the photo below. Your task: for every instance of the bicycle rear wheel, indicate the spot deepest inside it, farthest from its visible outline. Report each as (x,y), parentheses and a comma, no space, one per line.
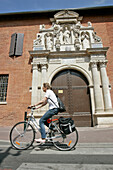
(65,142)
(22,135)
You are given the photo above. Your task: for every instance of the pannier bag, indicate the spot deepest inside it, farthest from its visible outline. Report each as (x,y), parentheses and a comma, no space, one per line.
(66,125)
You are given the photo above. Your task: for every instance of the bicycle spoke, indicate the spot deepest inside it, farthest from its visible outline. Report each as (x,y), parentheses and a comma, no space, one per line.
(22,135)
(65,142)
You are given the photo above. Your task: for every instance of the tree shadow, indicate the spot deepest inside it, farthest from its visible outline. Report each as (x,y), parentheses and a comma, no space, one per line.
(7,152)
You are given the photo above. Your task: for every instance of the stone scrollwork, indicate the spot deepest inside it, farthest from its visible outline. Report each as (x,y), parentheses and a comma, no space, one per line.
(96,38)
(56,29)
(38,41)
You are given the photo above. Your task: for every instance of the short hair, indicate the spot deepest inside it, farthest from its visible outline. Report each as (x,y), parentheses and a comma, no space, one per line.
(46,85)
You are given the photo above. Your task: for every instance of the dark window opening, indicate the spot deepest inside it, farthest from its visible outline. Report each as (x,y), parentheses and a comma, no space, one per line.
(3,87)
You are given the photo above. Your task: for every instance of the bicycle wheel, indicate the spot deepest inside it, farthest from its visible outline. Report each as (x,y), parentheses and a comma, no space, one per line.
(22,135)
(65,142)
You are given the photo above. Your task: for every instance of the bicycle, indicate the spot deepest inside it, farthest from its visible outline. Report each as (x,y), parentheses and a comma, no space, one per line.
(22,134)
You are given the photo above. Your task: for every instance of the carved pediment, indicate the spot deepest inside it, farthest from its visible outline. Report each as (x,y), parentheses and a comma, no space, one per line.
(66,14)
(66,17)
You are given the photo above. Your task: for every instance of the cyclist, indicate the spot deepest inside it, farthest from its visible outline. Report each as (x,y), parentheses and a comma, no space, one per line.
(53,109)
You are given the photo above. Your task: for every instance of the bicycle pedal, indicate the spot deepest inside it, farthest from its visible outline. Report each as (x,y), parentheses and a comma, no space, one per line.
(49,140)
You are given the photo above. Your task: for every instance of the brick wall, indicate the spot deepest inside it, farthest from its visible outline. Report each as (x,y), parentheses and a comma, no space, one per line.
(19,68)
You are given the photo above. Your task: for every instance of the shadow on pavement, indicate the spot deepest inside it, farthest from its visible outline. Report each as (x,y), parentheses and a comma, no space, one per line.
(7,152)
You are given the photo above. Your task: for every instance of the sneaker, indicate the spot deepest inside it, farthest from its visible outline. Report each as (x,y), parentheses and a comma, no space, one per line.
(40,140)
(37,149)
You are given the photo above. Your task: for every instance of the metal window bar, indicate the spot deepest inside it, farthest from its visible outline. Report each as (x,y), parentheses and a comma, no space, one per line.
(3,87)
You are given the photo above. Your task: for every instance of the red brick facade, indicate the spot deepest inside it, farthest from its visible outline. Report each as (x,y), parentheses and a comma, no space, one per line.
(19,68)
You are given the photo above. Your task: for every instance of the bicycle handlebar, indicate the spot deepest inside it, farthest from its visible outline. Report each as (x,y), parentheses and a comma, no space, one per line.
(33,108)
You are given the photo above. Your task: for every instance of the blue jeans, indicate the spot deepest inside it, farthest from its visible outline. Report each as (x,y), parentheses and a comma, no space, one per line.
(44,118)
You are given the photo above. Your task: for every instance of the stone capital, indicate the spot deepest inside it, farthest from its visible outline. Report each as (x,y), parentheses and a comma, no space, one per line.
(34,66)
(93,64)
(44,65)
(102,63)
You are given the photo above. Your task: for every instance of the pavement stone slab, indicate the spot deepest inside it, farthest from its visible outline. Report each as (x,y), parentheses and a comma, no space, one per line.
(47,166)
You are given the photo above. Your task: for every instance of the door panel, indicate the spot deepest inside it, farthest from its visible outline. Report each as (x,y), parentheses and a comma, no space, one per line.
(72,88)
(81,100)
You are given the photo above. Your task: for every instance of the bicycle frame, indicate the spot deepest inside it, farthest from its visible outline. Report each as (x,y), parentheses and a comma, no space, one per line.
(33,120)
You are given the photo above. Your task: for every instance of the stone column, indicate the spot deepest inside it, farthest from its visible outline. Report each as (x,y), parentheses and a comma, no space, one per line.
(43,76)
(105,86)
(34,96)
(44,72)
(99,106)
(43,80)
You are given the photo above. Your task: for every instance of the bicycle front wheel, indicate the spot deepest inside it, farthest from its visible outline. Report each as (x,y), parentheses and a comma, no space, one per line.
(65,142)
(22,135)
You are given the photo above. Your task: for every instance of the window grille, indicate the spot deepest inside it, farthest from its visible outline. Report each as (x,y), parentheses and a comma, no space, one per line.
(3,87)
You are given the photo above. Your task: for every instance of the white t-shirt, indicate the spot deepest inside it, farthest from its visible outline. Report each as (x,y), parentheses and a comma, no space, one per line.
(50,94)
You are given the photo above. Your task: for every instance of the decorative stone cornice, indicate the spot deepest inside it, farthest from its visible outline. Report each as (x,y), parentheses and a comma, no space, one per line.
(39,53)
(97,50)
(48,53)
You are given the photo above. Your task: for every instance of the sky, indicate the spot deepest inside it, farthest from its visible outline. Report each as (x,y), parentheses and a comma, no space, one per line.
(9,6)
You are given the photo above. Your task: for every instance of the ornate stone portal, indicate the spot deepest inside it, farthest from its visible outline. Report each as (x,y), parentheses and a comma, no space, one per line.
(69,45)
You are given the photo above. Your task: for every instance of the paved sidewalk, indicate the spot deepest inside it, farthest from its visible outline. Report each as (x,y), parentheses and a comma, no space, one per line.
(94,151)
(86,134)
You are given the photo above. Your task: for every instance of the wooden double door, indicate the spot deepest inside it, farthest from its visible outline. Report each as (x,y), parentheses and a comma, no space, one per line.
(72,88)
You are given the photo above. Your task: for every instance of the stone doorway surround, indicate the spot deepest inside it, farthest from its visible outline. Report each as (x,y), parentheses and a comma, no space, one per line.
(69,45)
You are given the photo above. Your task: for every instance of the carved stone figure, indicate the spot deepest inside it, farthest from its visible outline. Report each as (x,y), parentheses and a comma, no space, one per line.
(78,25)
(66,36)
(85,40)
(42,27)
(49,41)
(89,24)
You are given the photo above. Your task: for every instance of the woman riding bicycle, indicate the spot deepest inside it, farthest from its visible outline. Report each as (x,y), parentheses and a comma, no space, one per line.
(53,109)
